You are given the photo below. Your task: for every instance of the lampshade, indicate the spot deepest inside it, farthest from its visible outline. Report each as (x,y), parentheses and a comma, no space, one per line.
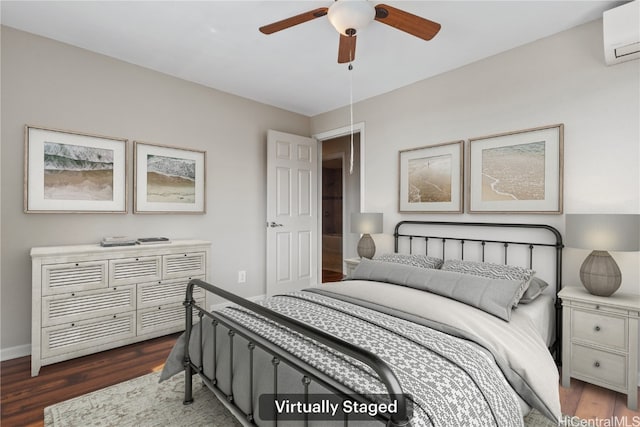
(347,15)
(603,232)
(366,223)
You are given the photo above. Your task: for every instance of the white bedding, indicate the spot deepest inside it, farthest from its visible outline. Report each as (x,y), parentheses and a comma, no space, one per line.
(542,313)
(518,342)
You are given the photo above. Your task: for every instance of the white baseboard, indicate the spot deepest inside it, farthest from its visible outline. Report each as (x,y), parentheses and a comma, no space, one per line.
(15,352)
(224,304)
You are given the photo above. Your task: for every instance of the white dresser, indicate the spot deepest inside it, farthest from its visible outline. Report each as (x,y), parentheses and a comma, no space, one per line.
(600,340)
(88,298)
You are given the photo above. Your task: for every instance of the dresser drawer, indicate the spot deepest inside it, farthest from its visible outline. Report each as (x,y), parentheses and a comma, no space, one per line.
(184,264)
(70,337)
(166,291)
(603,367)
(599,329)
(73,276)
(163,317)
(134,270)
(75,306)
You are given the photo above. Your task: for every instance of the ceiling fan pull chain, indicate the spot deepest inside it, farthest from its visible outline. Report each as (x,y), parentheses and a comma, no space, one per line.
(351,117)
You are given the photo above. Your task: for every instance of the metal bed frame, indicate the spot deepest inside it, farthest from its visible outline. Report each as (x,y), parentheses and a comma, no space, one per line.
(557,244)
(309,373)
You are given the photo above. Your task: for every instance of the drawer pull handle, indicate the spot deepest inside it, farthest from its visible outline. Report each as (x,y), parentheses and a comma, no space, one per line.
(597,329)
(597,364)
(73,295)
(114,316)
(77,265)
(597,307)
(73,324)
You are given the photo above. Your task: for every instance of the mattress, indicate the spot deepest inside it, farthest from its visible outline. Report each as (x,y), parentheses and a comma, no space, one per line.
(542,314)
(515,349)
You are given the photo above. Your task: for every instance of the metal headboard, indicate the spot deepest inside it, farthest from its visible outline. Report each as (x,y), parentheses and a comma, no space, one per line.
(424,234)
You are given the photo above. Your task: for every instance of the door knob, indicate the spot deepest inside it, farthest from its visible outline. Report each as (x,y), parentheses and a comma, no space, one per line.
(273,225)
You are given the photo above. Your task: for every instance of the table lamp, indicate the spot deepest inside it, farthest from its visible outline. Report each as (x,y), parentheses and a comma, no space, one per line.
(599,273)
(366,224)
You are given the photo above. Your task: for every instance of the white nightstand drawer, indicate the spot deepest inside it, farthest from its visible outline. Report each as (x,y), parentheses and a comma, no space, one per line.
(599,329)
(599,365)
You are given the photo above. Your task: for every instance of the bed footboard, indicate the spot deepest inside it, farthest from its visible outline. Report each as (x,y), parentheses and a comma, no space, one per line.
(308,373)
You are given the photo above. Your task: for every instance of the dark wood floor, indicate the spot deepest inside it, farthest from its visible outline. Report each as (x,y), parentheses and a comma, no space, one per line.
(24,398)
(331,276)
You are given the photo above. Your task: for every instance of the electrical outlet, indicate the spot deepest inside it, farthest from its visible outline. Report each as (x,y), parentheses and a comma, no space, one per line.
(242,276)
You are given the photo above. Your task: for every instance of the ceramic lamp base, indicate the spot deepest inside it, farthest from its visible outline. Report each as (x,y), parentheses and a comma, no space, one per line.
(366,247)
(600,274)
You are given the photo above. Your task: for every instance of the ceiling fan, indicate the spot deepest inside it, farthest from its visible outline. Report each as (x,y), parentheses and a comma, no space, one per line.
(350,16)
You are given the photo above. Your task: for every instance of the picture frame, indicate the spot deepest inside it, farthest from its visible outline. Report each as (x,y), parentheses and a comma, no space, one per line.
(73,172)
(169,179)
(431,178)
(517,172)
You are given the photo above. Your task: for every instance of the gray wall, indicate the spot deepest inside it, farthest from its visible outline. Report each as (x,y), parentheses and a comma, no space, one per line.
(46,83)
(559,79)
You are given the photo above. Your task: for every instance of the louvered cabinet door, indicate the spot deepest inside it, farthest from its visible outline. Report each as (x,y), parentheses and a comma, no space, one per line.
(185,264)
(74,276)
(168,317)
(83,334)
(134,270)
(69,307)
(154,294)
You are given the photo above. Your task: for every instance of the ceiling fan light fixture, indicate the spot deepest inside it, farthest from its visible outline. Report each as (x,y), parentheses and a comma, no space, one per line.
(348,17)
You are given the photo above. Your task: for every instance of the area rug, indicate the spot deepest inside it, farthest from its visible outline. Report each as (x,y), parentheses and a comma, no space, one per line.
(143,402)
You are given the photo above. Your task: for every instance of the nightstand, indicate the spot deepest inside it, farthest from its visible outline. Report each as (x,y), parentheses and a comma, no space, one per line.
(351,264)
(600,340)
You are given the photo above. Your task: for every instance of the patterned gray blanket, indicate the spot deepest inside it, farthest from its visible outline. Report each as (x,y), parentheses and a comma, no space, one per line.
(451,381)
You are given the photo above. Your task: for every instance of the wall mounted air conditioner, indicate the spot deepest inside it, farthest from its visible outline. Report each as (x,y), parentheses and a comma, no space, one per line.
(621,28)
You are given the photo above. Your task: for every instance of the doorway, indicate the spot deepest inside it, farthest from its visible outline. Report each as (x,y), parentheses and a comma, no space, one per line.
(340,196)
(332,217)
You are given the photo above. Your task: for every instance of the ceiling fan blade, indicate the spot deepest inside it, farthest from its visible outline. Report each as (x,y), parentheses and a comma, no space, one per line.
(407,22)
(346,49)
(294,20)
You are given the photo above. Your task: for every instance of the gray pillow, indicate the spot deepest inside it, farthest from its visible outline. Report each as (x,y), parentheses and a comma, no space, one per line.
(534,290)
(493,271)
(411,259)
(494,296)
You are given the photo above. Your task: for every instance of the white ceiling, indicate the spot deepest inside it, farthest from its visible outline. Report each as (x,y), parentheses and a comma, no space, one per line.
(217,43)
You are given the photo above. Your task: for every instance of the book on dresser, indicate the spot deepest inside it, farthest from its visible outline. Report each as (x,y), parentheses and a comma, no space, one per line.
(89,298)
(153,240)
(117,241)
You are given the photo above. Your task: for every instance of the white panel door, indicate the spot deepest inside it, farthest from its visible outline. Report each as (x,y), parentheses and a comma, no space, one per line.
(292,174)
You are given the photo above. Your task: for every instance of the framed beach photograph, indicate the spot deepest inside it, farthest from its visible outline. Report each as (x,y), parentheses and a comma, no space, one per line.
(168,179)
(431,178)
(74,172)
(517,172)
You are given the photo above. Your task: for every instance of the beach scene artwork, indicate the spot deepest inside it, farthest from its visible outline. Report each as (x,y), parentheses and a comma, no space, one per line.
(429,179)
(76,172)
(171,179)
(514,172)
